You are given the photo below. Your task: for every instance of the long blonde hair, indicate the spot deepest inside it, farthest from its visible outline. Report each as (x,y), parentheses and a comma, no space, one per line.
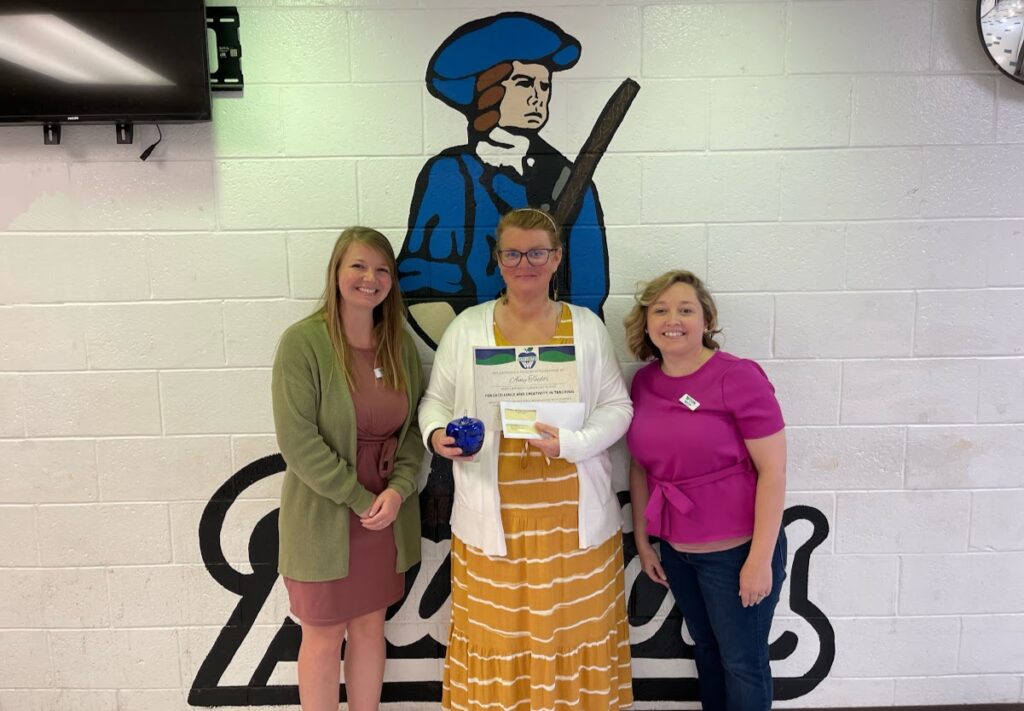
(637,339)
(387,316)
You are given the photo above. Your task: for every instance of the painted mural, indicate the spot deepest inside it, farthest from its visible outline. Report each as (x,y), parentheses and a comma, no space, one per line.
(802,648)
(499,74)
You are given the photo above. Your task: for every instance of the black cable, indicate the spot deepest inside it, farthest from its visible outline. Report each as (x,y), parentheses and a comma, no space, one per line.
(145,153)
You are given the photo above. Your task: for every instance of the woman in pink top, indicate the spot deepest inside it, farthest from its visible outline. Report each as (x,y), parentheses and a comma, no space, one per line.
(708,478)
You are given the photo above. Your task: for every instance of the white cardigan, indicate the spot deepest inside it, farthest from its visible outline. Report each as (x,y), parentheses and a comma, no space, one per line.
(476,512)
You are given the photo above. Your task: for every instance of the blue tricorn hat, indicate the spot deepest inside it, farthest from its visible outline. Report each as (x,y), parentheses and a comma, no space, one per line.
(481,44)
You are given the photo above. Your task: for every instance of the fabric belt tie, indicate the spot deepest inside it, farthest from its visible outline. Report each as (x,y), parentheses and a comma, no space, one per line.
(388,447)
(669,496)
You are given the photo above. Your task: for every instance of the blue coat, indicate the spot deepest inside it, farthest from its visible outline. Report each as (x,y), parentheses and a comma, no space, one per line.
(448,251)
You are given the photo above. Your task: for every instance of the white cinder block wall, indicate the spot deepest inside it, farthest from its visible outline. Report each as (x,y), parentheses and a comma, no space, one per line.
(845,173)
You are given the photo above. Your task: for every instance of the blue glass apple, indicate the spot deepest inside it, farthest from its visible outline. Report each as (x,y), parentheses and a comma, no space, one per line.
(468,433)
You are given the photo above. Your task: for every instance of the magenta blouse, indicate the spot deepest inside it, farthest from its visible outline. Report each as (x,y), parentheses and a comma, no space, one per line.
(687,433)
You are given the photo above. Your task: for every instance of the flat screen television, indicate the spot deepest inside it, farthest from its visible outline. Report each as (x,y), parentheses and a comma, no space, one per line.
(103,61)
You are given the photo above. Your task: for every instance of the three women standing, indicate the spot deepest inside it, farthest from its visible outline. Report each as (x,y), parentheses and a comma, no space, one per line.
(538,599)
(708,477)
(346,383)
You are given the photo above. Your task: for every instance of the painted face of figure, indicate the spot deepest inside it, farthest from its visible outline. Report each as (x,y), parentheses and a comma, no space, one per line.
(364,279)
(675,322)
(527,90)
(527,278)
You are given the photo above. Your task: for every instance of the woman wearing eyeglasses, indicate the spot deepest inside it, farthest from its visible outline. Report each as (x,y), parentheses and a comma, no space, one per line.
(538,598)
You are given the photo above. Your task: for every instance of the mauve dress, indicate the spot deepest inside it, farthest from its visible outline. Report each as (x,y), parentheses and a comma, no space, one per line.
(372,583)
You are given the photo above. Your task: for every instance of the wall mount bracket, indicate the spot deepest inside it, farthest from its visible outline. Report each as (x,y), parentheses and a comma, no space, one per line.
(51,134)
(224,23)
(125,132)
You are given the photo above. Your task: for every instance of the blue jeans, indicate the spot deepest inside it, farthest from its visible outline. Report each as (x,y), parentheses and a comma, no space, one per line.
(731,641)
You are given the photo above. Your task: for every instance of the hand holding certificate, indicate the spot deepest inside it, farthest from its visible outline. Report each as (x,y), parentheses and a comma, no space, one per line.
(518,418)
(536,377)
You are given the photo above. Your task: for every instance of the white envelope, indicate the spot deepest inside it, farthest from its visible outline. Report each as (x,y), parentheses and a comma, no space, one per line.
(517,418)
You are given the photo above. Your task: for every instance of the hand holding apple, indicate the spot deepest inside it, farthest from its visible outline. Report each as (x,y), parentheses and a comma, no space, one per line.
(468,433)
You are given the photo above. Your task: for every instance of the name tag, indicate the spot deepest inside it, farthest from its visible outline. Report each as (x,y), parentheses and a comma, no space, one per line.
(689,402)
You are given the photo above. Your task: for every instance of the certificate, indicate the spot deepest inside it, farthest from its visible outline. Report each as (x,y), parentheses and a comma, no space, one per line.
(522,374)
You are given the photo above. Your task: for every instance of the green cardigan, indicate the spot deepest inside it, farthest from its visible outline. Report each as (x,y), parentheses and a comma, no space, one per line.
(315,422)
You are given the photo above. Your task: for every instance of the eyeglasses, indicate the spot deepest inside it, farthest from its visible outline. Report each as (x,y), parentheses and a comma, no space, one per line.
(536,257)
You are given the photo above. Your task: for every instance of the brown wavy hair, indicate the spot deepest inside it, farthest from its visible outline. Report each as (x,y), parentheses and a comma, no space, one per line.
(388,316)
(637,339)
(489,93)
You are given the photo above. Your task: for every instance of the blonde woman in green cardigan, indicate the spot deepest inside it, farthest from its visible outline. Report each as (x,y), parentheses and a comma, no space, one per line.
(346,384)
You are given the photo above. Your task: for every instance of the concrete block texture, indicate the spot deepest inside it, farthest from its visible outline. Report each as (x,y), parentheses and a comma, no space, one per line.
(955,46)
(115,659)
(856,184)
(872,37)
(373,125)
(166,335)
(855,585)
(48,699)
(162,468)
(26,660)
(968,584)
(252,328)
(48,470)
(54,597)
(79,267)
(58,339)
(384,186)
(296,44)
(920,110)
(12,408)
(960,689)
(985,322)
(991,644)
(965,457)
(831,458)
(807,390)
(135,196)
(698,39)
(996,521)
(216,401)
(944,192)
(921,255)
(37,196)
(895,646)
(1004,253)
(104,534)
(710,187)
(902,522)
(918,391)
(218,265)
(746,323)
(91,403)
(18,531)
(780,112)
(776,257)
(675,246)
(262,194)
(844,325)
(308,254)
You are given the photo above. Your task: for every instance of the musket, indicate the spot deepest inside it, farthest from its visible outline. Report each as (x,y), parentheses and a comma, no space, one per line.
(582,172)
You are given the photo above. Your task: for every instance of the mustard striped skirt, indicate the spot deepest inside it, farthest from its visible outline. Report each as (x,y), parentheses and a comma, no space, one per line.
(544,627)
